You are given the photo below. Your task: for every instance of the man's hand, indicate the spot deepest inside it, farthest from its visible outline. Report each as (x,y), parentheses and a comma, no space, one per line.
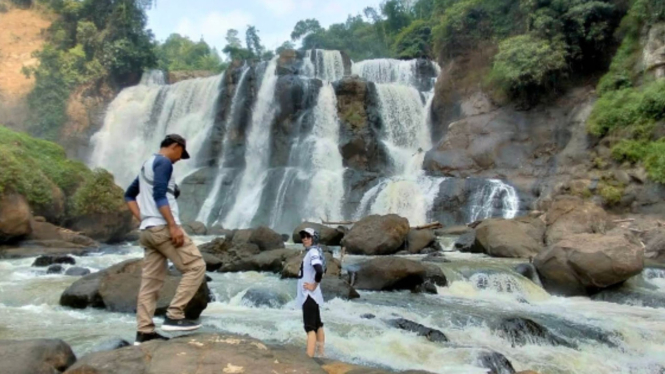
(177,236)
(310,286)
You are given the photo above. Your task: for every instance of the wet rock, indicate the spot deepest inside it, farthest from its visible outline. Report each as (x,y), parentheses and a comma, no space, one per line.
(336,367)
(133,236)
(55,269)
(212,262)
(292,266)
(465,242)
(266,239)
(431,334)
(46,260)
(518,238)
(418,240)
(77,271)
(269,261)
(265,297)
(528,271)
(522,331)
(328,236)
(285,238)
(377,235)
(217,246)
(219,231)
(436,257)
(571,215)
(587,263)
(39,356)
(116,290)
(195,228)
(655,245)
(45,232)
(221,353)
(368,316)
(15,218)
(106,228)
(110,345)
(393,273)
(337,288)
(496,363)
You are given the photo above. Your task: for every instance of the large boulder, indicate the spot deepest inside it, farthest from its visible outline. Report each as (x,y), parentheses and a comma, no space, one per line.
(195,228)
(292,266)
(47,232)
(394,273)
(585,263)
(47,260)
(571,215)
(266,239)
(200,353)
(328,236)
(495,362)
(41,356)
(655,245)
(106,228)
(212,262)
(417,240)
(518,238)
(337,288)
(14,218)
(269,261)
(377,235)
(116,289)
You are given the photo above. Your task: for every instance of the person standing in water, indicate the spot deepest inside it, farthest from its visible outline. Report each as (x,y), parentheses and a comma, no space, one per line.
(310,297)
(152,200)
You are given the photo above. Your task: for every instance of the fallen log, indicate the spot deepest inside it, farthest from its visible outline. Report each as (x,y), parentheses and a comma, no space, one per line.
(433,225)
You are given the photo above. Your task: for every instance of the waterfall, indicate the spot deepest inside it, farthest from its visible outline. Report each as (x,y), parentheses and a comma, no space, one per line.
(153,77)
(211,200)
(494,192)
(256,156)
(140,116)
(327,65)
(387,71)
(326,190)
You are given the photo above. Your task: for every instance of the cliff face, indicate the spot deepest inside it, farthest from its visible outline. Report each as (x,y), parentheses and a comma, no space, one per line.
(544,151)
(20,35)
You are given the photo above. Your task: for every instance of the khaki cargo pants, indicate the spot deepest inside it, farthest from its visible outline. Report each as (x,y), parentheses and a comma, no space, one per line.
(158,247)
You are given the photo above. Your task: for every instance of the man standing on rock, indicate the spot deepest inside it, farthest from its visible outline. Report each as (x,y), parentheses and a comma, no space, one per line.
(162,238)
(309,292)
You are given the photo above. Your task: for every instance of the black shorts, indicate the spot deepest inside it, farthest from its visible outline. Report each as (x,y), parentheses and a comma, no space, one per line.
(311,315)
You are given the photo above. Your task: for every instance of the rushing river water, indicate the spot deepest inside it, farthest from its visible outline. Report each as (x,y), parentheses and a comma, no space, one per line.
(611,338)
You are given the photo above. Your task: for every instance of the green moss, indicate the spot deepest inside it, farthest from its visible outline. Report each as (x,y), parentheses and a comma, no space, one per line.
(654,161)
(98,195)
(629,150)
(34,167)
(611,194)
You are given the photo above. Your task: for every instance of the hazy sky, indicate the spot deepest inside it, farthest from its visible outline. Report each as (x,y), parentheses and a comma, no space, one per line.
(273,18)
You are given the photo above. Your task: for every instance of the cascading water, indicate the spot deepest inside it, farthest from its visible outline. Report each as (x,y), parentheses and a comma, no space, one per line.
(326,65)
(211,201)
(140,116)
(387,71)
(493,193)
(257,153)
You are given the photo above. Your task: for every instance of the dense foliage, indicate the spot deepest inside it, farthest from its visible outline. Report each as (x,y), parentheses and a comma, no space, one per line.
(629,112)
(179,53)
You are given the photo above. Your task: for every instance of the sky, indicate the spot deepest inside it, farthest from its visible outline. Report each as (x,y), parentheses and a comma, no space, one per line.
(274,19)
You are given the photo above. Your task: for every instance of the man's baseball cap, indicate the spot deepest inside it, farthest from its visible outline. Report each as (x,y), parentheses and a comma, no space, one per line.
(180,140)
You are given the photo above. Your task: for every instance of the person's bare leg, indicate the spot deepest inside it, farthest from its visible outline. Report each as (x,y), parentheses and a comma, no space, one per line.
(311,343)
(320,341)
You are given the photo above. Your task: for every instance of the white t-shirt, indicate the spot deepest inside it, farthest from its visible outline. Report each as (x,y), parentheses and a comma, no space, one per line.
(307,274)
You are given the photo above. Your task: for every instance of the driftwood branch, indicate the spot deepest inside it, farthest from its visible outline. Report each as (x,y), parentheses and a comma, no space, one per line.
(338,223)
(433,225)
(624,220)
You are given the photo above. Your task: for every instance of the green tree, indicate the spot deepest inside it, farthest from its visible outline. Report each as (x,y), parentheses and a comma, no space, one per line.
(414,41)
(525,65)
(253,41)
(286,45)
